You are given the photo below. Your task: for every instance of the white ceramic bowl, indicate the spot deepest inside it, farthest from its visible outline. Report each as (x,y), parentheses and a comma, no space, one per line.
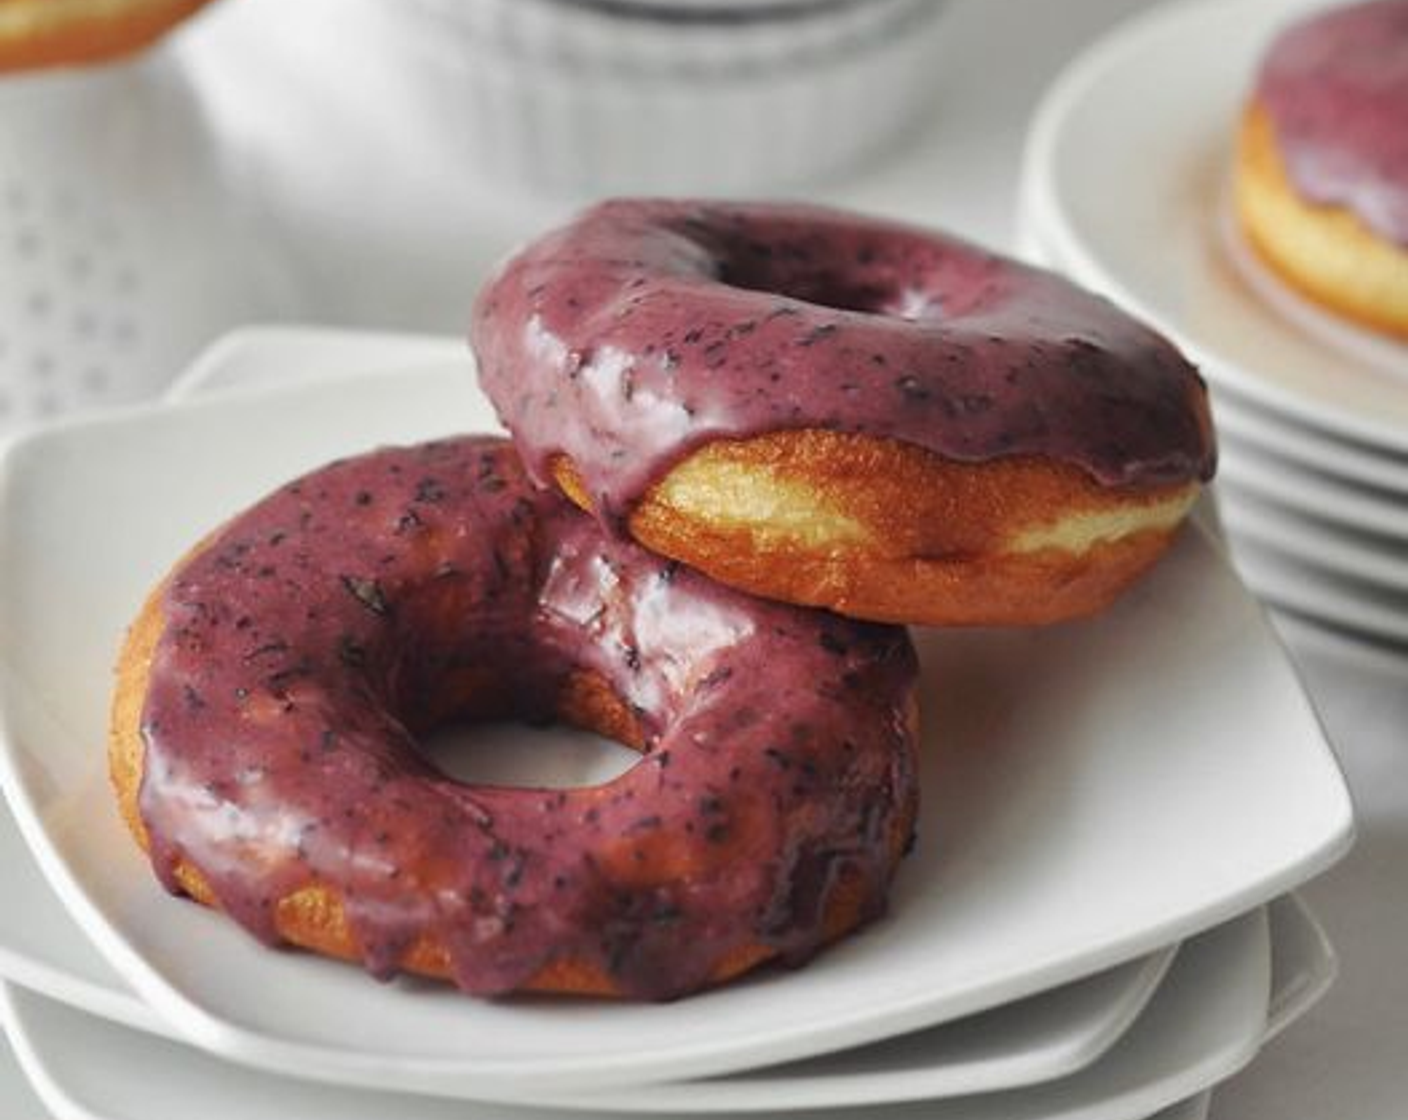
(573,99)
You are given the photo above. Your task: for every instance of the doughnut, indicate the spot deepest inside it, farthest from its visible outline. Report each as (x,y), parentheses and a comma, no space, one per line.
(273,692)
(35,34)
(1320,175)
(839,411)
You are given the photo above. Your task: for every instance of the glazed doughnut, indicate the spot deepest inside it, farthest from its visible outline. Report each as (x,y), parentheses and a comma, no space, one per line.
(273,690)
(43,33)
(844,412)
(1321,170)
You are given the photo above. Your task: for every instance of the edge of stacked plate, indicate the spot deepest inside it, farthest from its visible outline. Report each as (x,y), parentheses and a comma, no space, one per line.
(1312,412)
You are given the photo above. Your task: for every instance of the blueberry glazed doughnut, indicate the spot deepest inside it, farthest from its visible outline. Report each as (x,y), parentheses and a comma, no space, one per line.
(272,692)
(838,411)
(1321,170)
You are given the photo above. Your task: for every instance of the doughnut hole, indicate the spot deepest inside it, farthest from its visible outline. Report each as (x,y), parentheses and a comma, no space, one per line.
(1325,252)
(860,277)
(838,291)
(886,531)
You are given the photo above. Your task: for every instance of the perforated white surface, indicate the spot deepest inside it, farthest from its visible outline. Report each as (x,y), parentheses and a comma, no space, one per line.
(123,248)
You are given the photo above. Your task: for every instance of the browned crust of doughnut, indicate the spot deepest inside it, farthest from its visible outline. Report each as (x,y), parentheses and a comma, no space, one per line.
(42,33)
(313,917)
(922,540)
(1325,252)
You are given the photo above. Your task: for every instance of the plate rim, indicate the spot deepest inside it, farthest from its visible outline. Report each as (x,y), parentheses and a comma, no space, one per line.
(1051,229)
(1280,528)
(1249,932)
(1348,463)
(1308,493)
(124,1006)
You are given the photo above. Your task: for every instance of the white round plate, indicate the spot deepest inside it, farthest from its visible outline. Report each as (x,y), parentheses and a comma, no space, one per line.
(1343,460)
(1298,311)
(1124,171)
(1377,512)
(1065,738)
(1321,639)
(1036,1039)
(1308,590)
(1381,562)
(1204,1024)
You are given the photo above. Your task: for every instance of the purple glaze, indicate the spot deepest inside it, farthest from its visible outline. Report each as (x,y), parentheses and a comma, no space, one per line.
(646,328)
(1336,88)
(309,643)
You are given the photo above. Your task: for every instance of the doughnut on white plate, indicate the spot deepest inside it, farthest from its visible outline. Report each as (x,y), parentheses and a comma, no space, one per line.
(1046,1036)
(1125,171)
(1063,767)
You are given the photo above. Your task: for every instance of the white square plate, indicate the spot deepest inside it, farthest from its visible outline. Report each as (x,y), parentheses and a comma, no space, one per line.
(1092,791)
(1204,1025)
(1049,1035)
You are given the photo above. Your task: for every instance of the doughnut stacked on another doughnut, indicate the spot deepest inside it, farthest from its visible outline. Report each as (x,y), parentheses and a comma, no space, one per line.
(1321,173)
(273,690)
(812,406)
(839,411)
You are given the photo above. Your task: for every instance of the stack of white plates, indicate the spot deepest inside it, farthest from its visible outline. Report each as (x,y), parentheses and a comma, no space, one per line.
(1125,189)
(1095,922)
